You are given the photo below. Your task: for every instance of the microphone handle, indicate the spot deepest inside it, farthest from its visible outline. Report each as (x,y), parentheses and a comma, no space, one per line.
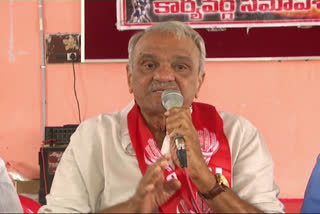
(181,150)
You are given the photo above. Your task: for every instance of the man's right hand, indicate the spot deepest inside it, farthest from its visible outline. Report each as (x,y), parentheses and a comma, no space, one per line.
(152,190)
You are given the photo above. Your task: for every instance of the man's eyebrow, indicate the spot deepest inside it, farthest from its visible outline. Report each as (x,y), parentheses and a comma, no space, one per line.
(179,57)
(142,56)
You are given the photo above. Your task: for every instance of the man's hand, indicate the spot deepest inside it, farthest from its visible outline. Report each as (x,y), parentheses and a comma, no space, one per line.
(179,122)
(152,190)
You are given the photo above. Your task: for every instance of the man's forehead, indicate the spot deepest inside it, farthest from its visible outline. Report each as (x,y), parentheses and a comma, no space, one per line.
(143,55)
(158,35)
(156,41)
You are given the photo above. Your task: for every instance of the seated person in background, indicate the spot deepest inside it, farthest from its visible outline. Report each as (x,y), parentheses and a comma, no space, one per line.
(127,162)
(9,200)
(311,202)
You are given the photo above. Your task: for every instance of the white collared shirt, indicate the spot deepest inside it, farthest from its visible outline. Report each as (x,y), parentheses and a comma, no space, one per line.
(99,168)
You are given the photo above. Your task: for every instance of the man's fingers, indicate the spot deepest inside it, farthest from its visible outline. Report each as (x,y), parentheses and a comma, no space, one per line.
(149,188)
(151,173)
(172,186)
(178,117)
(173,151)
(154,172)
(153,190)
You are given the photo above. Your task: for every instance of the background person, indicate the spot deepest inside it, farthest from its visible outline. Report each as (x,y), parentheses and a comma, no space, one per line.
(9,200)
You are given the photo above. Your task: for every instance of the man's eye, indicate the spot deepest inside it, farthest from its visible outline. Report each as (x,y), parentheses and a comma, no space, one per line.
(149,65)
(181,67)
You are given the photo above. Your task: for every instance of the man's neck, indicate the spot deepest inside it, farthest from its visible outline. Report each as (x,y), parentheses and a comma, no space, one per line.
(157,126)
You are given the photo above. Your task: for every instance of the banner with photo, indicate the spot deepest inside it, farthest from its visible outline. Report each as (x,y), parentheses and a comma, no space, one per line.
(139,14)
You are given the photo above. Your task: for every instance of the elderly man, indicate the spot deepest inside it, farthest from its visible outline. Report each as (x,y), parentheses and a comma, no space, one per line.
(127,161)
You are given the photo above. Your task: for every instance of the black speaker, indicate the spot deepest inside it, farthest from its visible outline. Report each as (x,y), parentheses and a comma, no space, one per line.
(56,141)
(49,158)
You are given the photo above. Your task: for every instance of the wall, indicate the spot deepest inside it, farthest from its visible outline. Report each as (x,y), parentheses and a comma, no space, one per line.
(280,98)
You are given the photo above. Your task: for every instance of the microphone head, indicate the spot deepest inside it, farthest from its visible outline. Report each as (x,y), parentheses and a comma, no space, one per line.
(171,98)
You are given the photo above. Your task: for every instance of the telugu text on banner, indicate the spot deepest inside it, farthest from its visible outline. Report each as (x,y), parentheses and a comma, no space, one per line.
(139,14)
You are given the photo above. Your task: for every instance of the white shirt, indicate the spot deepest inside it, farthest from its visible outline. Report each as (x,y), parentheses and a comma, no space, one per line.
(9,201)
(99,168)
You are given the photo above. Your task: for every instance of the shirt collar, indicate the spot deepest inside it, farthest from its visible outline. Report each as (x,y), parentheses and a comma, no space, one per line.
(124,135)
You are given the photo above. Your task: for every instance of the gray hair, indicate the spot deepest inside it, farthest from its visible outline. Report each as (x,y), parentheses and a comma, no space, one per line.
(180,30)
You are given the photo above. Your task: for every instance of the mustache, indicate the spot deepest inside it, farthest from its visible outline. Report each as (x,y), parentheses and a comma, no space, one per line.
(161,86)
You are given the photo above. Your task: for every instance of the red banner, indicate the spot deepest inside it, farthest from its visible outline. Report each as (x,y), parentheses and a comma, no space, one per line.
(139,14)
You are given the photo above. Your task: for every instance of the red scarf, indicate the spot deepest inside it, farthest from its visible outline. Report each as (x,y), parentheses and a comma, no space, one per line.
(214,146)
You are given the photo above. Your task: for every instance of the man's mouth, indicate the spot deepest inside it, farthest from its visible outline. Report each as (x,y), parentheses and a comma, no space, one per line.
(160,90)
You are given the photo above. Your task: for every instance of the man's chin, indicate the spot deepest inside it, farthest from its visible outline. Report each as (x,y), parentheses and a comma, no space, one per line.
(157,108)
(151,103)
(153,108)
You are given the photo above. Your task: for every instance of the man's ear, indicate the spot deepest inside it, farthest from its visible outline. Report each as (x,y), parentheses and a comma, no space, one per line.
(200,81)
(129,78)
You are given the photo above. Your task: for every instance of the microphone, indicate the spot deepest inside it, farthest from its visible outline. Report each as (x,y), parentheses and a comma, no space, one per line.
(173,98)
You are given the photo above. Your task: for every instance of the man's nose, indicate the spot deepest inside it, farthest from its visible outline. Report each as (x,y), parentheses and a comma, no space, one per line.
(164,74)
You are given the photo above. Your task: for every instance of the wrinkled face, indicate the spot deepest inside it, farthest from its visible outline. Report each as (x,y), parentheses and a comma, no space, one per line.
(162,61)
